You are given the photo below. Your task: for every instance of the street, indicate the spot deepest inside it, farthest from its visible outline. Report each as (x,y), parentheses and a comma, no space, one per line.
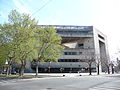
(63,83)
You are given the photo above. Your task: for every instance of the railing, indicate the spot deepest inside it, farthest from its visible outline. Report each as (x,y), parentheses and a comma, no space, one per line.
(72,31)
(75,35)
(68,27)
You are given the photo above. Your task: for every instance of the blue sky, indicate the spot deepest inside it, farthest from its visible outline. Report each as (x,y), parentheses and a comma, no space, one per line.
(55,12)
(103,14)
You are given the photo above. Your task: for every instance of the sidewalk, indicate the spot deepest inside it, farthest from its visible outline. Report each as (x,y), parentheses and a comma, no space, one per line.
(70,74)
(45,75)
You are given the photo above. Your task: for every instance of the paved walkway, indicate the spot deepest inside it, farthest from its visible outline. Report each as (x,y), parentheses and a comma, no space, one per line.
(70,82)
(70,74)
(103,80)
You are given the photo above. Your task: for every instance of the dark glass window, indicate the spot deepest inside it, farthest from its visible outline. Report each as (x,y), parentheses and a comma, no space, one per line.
(100,36)
(81,45)
(72,53)
(80,53)
(59,60)
(69,60)
(65,53)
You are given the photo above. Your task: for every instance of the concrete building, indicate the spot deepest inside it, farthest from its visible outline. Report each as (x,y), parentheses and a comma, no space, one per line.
(83,44)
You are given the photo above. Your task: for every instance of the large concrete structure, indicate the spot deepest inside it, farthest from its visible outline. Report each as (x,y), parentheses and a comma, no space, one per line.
(83,44)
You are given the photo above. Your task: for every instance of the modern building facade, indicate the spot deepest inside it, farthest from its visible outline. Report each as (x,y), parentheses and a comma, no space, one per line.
(83,44)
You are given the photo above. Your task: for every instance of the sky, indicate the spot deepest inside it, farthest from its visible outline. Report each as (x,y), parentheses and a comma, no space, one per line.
(102,14)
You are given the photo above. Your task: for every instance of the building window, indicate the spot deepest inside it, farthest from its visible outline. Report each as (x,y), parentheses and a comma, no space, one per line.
(69,60)
(80,53)
(81,45)
(72,53)
(101,37)
(65,53)
(59,60)
(69,53)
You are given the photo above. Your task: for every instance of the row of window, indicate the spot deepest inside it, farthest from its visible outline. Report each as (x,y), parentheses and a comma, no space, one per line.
(72,53)
(74,32)
(70,60)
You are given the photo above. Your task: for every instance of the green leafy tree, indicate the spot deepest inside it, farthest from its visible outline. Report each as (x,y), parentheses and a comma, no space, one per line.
(24,40)
(2,53)
(19,36)
(3,58)
(26,28)
(5,46)
(48,46)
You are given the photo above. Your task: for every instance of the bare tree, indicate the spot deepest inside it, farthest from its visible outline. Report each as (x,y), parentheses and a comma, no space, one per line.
(118,65)
(106,63)
(112,66)
(98,62)
(89,59)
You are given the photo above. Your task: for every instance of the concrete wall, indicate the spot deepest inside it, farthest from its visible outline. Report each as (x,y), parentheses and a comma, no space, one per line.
(101,49)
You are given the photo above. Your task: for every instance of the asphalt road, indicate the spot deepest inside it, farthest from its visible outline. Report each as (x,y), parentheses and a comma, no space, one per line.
(63,83)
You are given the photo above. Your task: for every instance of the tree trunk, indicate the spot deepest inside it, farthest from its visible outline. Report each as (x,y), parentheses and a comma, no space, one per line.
(108,70)
(10,69)
(21,71)
(90,72)
(1,70)
(10,62)
(112,70)
(98,72)
(37,64)
(36,70)
(7,70)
